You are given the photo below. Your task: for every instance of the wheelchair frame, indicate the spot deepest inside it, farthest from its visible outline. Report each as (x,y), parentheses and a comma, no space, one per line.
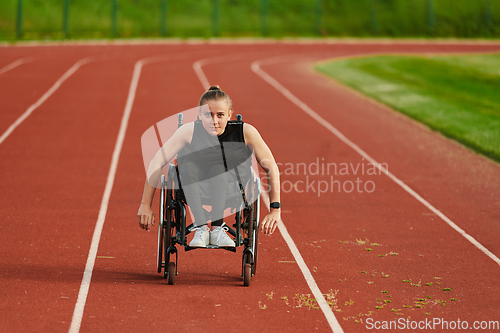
(172,229)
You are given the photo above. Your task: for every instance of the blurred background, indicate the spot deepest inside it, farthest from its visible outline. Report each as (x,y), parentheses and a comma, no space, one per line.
(90,19)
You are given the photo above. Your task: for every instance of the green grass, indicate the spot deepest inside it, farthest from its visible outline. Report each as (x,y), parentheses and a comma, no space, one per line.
(42,19)
(455,95)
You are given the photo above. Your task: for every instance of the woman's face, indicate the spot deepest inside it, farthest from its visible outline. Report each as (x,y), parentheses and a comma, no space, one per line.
(216,116)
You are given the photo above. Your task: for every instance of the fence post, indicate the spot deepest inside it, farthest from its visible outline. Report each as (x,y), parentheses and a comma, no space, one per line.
(319,15)
(114,18)
(65,18)
(373,17)
(263,17)
(215,18)
(431,18)
(163,18)
(489,18)
(19,23)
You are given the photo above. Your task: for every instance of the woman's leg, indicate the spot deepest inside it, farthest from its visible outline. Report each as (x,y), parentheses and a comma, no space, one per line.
(217,180)
(218,189)
(191,175)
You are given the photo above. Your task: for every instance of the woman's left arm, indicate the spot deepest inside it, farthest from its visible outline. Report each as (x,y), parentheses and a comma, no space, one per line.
(267,162)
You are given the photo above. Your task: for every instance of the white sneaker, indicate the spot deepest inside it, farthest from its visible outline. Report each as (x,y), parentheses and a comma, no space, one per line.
(201,237)
(219,237)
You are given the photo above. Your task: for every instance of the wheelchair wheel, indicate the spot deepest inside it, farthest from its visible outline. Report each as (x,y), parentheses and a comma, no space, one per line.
(168,223)
(247,274)
(255,245)
(253,239)
(250,233)
(248,260)
(171,273)
(159,254)
(256,229)
(168,231)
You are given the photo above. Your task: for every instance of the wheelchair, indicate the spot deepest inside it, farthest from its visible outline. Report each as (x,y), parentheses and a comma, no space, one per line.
(172,229)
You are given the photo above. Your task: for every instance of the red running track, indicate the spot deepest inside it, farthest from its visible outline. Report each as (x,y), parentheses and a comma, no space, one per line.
(55,166)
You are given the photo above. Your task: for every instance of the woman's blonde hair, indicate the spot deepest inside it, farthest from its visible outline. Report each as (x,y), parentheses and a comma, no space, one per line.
(215,93)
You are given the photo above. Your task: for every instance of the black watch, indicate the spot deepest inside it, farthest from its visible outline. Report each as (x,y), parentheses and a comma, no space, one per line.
(275,205)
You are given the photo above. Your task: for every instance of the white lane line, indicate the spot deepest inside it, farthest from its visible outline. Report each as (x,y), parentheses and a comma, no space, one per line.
(197,65)
(318,295)
(87,275)
(16,63)
(313,286)
(203,79)
(44,97)
(273,82)
(76,321)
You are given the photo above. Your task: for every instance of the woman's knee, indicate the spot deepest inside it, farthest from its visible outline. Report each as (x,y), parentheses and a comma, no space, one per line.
(218,171)
(190,172)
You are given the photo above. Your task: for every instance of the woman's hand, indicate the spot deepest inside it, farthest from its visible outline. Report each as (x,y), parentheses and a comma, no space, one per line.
(270,222)
(146,217)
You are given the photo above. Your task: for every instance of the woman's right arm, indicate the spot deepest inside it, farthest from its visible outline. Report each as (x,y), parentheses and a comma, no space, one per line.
(180,138)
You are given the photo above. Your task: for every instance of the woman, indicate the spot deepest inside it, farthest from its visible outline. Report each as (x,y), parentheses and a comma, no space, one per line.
(199,160)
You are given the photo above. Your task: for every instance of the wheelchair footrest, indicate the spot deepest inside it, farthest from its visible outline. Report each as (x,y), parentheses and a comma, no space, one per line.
(229,248)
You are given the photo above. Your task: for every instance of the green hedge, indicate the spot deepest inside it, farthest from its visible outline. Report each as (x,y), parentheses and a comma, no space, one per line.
(252,18)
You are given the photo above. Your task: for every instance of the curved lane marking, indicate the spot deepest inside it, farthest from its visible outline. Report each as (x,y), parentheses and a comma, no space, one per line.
(44,97)
(197,65)
(256,68)
(14,64)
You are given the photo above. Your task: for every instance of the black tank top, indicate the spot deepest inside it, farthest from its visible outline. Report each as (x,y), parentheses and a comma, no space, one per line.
(206,150)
